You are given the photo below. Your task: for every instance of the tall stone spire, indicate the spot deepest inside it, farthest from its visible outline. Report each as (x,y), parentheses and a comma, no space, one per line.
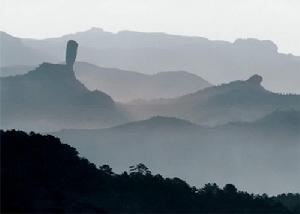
(71,53)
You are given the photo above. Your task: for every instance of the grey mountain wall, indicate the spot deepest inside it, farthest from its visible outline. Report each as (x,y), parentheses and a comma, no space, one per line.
(215,61)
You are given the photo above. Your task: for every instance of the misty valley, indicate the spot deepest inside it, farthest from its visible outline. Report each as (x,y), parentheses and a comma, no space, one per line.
(129,126)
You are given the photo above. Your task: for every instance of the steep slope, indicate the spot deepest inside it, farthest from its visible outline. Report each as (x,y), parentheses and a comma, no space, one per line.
(236,101)
(127,85)
(257,156)
(216,61)
(51,98)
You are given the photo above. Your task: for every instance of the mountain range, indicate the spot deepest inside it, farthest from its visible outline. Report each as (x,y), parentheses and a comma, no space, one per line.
(254,155)
(51,98)
(215,61)
(238,100)
(128,85)
(178,123)
(125,85)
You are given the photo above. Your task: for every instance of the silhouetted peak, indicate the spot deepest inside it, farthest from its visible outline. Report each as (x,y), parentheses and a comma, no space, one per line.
(255,79)
(71,52)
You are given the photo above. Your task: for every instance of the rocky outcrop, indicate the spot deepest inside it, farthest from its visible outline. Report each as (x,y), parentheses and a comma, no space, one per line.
(255,79)
(71,53)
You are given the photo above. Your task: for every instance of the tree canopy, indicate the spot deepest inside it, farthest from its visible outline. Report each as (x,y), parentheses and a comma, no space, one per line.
(41,174)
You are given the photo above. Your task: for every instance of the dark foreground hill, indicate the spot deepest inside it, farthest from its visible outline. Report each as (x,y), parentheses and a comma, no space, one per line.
(259,156)
(39,174)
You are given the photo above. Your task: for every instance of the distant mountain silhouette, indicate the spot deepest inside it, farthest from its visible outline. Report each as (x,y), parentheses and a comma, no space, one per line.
(50,98)
(15,53)
(235,101)
(256,156)
(215,61)
(39,174)
(127,85)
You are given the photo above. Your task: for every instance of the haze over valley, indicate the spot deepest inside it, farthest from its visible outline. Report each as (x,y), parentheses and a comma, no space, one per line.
(142,121)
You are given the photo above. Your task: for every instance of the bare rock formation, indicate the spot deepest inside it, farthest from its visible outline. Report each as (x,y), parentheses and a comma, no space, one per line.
(71,53)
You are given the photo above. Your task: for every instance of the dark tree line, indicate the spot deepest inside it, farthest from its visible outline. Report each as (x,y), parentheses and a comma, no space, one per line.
(41,174)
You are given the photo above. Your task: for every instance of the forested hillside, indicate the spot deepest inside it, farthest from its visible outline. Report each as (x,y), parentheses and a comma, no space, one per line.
(41,174)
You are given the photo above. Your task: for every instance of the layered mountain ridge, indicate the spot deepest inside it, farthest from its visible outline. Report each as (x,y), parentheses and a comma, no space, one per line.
(235,101)
(50,98)
(245,153)
(215,61)
(126,86)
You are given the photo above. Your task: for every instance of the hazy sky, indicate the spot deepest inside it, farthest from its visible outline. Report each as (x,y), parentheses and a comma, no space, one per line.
(277,20)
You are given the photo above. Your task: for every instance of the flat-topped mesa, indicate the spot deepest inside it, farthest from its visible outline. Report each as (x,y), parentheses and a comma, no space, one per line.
(71,53)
